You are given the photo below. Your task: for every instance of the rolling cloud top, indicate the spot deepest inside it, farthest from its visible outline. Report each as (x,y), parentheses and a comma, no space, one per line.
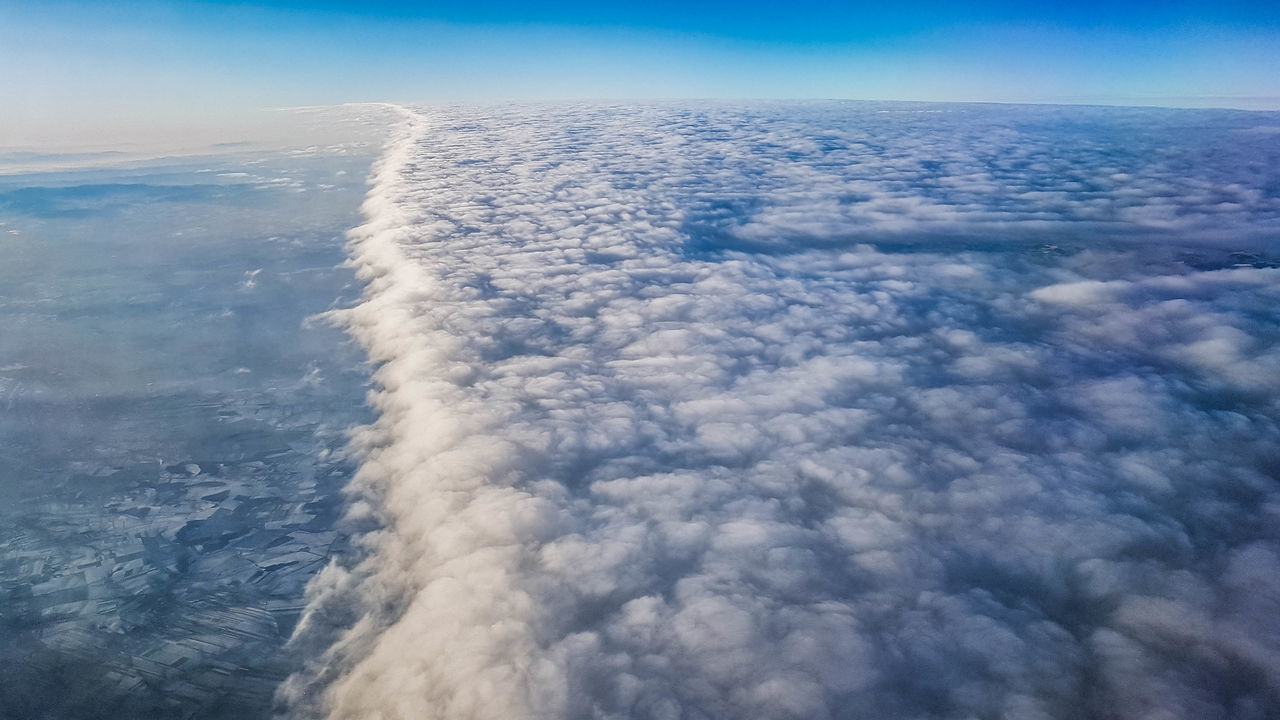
(817,410)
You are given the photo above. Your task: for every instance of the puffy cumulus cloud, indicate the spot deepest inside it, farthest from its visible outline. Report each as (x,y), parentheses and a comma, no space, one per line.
(693,412)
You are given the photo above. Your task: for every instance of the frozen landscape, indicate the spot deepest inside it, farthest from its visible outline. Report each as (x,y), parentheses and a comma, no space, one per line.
(674,410)
(172,426)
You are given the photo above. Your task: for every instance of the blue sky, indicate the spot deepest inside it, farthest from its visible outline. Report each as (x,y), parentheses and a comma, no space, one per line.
(82,73)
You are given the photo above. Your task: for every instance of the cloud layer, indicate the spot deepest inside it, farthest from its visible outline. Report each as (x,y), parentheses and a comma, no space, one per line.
(812,411)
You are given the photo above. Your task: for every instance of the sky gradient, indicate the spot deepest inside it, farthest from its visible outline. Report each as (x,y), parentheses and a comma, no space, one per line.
(167,73)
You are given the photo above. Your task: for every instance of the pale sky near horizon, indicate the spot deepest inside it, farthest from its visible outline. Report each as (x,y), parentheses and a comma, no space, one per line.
(143,72)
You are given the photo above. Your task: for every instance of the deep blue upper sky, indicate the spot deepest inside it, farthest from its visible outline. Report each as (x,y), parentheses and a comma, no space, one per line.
(86,72)
(809,18)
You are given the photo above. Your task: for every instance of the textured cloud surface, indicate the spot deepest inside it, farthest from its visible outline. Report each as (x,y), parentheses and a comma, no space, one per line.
(813,411)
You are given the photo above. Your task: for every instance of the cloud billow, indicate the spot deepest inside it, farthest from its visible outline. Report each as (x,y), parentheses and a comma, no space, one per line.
(812,411)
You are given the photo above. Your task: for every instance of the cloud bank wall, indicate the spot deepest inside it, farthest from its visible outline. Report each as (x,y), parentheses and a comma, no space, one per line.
(812,411)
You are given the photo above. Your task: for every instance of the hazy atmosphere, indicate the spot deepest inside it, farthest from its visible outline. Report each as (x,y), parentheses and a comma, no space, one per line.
(706,361)
(167,73)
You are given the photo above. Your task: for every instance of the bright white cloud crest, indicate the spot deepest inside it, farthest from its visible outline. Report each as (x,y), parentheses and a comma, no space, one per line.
(811,411)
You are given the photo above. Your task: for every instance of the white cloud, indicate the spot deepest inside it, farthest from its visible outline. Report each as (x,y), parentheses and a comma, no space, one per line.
(662,435)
